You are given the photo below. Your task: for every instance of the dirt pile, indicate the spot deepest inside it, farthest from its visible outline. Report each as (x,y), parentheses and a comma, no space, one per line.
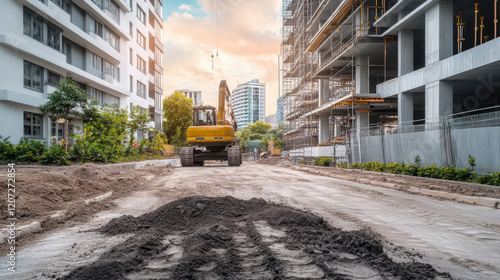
(43,192)
(227,238)
(272,161)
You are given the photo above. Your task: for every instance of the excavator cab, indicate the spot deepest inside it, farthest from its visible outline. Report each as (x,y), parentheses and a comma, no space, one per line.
(204,115)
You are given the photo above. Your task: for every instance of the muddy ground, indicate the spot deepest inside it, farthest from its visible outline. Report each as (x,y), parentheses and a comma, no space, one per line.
(59,196)
(227,238)
(250,222)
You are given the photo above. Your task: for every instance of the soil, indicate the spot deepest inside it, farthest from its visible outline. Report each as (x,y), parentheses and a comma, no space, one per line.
(227,238)
(403,181)
(62,192)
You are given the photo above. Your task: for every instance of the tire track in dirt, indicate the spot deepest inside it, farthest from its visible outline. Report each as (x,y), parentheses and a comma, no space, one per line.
(227,238)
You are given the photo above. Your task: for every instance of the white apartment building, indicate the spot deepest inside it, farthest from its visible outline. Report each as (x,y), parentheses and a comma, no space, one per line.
(249,103)
(195,95)
(112,48)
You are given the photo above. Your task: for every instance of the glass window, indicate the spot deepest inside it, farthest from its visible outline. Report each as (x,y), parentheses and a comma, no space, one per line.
(53,38)
(141,64)
(141,89)
(158,56)
(158,80)
(53,78)
(113,39)
(141,15)
(96,62)
(131,57)
(203,117)
(131,83)
(141,40)
(32,125)
(32,26)
(32,76)
(158,30)
(114,10)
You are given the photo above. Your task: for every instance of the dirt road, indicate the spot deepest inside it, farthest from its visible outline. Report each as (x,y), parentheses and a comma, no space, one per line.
(459,239)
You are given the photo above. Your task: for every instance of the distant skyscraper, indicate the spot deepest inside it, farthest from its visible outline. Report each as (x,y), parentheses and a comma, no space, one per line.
(271,119)
(195,95)
(249,103)
(279,111)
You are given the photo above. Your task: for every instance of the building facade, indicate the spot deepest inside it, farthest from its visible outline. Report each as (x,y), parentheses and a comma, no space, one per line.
(355,69)
(271,119)
(249,103)
(195,95)
(112,48)
(279,111)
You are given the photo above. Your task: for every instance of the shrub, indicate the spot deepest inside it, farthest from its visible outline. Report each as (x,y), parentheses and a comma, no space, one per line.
(410,169)
(29,150)
(323,161)
(56,154)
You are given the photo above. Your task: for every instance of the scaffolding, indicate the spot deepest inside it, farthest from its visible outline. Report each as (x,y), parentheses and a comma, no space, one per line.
(317,39)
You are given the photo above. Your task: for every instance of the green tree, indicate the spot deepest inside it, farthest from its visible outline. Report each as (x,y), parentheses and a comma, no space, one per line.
(259,127)
(68,99)
(178,117)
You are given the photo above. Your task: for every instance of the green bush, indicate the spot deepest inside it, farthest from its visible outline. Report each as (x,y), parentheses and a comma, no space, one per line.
(437,172)
(323,161)
(25,151)
(56,155)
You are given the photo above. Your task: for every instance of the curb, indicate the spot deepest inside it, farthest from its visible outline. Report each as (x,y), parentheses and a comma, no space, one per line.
(481,201)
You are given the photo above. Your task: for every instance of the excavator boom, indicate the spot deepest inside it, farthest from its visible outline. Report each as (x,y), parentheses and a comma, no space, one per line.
(225,115)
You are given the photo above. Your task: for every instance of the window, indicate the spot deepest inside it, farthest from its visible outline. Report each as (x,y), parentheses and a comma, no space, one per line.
(113,10)
(141,64)
(158,7)
(131,30)
(102,97)
(158,30)
(158,80)
(53,79)
(158,101)
(57,130)
(53,37)
(63,4)
(113,39)
(141,40)
(32,76)
(95,27)
(131,57)
(141,15)
(32,26)
(131,83)
(158,56)
(67,52)
(112,70)
(32,125)
(96,62)
(141,89)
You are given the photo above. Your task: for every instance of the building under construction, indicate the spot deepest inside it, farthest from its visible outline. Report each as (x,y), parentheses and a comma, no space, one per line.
(378,65)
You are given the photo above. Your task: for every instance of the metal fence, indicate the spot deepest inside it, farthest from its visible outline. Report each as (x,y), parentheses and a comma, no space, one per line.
(446,142)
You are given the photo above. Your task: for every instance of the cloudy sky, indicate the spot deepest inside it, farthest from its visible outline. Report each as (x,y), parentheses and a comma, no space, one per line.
(248,45)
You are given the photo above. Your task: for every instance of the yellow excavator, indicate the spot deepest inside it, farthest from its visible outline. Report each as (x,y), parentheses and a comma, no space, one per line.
(212,135)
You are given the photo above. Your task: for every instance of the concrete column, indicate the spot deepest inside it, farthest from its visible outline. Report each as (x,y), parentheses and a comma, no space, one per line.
(405,108)
(438,100)
(439,28)
(362,74)
(337,131)
(405,52)
(362,119)
(324,91)
(324,128)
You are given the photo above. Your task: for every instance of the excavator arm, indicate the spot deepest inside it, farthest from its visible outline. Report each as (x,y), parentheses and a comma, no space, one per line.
(225,114)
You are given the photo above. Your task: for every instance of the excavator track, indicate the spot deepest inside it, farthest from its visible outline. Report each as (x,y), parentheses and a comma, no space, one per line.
(187,156)
(234,156)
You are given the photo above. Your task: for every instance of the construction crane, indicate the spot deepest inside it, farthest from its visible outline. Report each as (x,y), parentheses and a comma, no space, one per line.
(212,137)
